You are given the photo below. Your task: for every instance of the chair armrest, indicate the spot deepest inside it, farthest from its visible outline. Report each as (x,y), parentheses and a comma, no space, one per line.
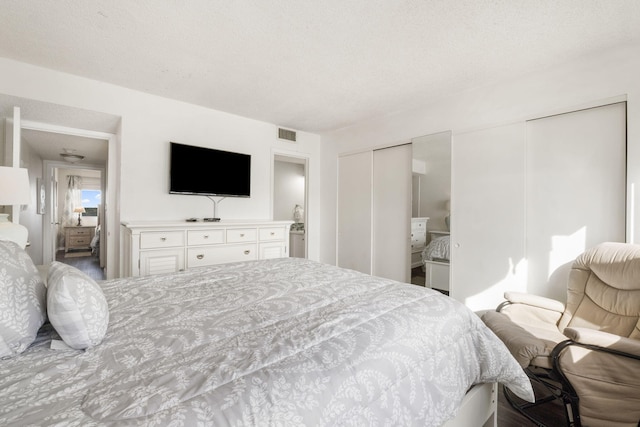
(605,340)
(532,310)
(534,300)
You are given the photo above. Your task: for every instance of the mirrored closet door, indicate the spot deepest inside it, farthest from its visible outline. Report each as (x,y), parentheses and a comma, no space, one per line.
(430,211)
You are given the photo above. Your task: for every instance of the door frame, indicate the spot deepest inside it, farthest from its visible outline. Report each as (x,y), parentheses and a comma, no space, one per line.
(108,185)
(50,228)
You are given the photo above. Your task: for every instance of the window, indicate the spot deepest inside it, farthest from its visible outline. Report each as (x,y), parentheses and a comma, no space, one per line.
(90,201)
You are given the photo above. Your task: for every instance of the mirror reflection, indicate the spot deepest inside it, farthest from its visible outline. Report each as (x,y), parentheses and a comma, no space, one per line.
(430,211)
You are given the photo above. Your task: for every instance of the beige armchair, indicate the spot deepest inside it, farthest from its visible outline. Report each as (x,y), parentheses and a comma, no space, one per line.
(586,352)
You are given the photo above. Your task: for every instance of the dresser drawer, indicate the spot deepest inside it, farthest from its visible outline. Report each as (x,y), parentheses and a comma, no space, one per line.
(418,226)
(210,255)
(161,239)
(79,232)
(271,233)
(240,235)
(418,236)
(161,261)
(205,237)
(81,241)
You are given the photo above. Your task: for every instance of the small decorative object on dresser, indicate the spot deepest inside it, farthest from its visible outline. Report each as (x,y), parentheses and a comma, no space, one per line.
(78,238)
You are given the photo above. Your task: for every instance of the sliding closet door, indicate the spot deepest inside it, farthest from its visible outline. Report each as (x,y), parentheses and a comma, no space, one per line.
(576,167)
(487,219)
(354,211)
(392,212)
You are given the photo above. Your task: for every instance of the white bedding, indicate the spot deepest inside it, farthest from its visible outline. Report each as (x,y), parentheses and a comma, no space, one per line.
(438,249)
(273,342)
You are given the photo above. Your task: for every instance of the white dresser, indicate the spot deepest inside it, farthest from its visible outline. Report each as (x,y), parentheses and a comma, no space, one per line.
(162,247)
(418,240)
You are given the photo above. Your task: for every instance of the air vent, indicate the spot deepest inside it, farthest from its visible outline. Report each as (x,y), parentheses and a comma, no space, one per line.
(286,134)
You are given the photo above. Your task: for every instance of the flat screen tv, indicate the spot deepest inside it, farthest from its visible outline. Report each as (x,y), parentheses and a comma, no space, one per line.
(209,172)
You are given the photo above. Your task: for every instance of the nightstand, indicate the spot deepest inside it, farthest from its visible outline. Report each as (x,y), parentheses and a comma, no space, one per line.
(78,237)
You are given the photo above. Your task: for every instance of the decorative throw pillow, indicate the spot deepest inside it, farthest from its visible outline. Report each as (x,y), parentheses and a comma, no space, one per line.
(22,300)
(76,306)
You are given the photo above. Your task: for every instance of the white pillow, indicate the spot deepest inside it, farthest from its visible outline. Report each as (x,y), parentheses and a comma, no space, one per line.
(22,300)
(76,306)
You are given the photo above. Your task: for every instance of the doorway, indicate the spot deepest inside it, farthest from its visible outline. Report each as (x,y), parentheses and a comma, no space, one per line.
(77,231)
(290,185)
(36,134)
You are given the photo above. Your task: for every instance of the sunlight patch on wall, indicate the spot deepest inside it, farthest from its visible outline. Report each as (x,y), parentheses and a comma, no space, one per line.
(515,279)
(565,249)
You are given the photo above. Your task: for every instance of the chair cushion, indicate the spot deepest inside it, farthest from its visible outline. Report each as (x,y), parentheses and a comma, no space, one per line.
(604,290)
(529,347)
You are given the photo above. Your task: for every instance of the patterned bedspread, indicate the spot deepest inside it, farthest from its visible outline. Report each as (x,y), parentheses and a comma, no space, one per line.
(272,342)
(439,249)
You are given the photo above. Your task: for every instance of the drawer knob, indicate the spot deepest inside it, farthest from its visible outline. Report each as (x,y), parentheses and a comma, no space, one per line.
(273,234)
(200,256)
(241,234)
(206,236)
(247,252)
(163,239)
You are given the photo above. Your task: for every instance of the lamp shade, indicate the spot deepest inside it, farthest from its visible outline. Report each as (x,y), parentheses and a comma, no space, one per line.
(79,210)
(14,186)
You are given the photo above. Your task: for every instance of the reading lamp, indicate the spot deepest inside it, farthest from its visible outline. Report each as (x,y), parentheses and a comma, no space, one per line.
(80,210)
(14,190)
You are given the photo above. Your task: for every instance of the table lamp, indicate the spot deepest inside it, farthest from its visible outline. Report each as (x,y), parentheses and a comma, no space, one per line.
(14,190)
(80,210)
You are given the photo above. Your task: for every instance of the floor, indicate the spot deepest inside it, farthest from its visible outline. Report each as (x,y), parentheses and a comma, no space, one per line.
(552,413)
(86,263)
(418,278)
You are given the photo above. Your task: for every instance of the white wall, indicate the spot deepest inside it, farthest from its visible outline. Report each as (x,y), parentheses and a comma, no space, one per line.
(148,124)
(598,79)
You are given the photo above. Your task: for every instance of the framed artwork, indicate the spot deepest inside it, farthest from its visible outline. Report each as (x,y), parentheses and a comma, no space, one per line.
(40,196)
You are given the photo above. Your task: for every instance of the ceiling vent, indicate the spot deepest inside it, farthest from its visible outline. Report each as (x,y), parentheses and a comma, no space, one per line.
(288,135)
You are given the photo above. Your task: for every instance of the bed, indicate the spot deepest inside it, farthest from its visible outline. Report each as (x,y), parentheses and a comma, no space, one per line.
(271,342)
(435,258)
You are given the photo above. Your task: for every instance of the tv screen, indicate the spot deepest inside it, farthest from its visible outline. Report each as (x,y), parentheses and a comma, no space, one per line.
(209,172)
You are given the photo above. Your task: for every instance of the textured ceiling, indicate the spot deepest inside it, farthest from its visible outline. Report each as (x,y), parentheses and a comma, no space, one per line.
(310,65)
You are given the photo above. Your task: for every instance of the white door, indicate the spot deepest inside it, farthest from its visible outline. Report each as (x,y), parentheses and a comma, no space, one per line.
(487,219)
(576,190)
(354,211)
(392,212)
(530,197)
